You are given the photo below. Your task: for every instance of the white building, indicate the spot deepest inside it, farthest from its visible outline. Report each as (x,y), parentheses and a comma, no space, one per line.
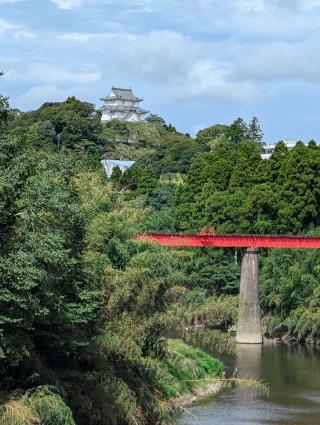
(268,149)
(109,165)
(123,105)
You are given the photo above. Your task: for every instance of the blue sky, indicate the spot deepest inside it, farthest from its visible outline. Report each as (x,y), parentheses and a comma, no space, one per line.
(195,62)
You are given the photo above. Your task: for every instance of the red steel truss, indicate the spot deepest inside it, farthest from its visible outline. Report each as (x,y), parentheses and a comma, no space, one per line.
(241,241)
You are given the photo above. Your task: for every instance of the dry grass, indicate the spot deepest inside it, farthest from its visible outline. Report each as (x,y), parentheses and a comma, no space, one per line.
(13,412)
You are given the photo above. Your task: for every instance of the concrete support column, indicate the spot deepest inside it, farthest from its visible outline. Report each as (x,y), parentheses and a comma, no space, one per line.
(249,317)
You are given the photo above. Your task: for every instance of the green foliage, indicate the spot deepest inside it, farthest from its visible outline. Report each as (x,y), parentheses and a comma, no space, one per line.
(290,293)
(41,405)
(254,131)
(42,280)
(132,141)
(4,112)
(233,190)
(211,340)
(174,154)
(71,124)
(84,307)
(237,132)
(41,133)
(155,119)
(187,368)
(212,134)
(116,175)
(217,313)
(160,221)
(48,405)
(140,180)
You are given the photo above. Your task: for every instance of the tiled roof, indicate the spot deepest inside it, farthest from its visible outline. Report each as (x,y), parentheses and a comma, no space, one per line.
(123,108)
(123,94)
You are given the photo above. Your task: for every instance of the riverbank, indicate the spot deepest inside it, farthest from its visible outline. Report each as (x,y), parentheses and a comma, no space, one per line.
(189,373)
(211,388)
(290,371)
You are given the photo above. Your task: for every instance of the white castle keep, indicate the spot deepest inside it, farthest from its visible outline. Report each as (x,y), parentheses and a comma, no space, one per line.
(123,105)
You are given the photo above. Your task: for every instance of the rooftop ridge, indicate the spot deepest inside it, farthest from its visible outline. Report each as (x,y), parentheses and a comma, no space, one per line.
(118,88)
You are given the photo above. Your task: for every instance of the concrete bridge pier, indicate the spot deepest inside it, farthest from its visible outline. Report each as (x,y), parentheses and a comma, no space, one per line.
(249,317)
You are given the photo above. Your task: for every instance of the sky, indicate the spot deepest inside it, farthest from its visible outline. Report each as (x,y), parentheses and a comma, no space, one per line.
(194,62)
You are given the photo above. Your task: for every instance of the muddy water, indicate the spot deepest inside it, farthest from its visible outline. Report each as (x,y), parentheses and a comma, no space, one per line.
(293,376)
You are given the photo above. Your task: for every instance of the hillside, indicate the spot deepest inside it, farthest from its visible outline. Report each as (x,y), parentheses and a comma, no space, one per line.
(85,307)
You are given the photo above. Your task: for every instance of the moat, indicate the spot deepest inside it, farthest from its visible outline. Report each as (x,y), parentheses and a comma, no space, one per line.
(292,374)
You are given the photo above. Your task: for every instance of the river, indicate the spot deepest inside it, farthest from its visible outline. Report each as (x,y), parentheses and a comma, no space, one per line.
(293,376)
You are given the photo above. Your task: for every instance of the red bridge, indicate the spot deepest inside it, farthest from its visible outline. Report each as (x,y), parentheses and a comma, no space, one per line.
(249,330)
(236,241)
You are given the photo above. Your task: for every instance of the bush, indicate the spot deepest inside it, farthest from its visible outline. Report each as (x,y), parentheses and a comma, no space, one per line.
(187,368)
(214,312)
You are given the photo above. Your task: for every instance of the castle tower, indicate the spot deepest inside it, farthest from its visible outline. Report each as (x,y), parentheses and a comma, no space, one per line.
(123,105)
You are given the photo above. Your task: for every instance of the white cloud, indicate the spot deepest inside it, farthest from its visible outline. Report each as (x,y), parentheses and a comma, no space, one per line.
(22,34)
(207,80)
(16,31)
(68,4)
(183,68)
(48,74)
(308,4)
(82,37)
(230,67)
(7,26)
(279,61)
(37,95)
(145,5)
(251,6)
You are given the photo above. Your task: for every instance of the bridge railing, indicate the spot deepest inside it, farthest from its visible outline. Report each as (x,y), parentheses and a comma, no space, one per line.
(236,241)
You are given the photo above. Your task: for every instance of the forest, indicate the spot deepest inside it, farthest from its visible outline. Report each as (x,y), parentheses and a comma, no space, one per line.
(85,307)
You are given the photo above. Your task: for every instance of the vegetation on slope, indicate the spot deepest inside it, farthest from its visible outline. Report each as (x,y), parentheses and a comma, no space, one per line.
(232,190)
(84,308)
(187,368)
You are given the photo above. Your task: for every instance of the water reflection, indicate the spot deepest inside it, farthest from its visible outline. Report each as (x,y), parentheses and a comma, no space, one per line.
(292,373)
(248,360)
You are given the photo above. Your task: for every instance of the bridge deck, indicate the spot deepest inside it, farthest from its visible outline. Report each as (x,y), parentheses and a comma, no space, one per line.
(241,241)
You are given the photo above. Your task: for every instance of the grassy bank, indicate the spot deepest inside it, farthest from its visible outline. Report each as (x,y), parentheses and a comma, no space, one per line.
(187,369)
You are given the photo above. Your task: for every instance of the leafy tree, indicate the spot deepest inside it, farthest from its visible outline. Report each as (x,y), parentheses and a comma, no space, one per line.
(247,157)
(146,181)
(155,119)
(290,293)
(254,131)
(116,175)
(4,110)
(211,134)
(175,155)
(297,190)
(237,132)
(76,124)
(41,134)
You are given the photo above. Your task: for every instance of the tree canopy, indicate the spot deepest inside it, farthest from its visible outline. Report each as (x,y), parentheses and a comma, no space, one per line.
(85,307)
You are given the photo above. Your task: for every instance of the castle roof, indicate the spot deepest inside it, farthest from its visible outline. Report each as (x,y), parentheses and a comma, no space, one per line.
(123,94)
(123,108)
